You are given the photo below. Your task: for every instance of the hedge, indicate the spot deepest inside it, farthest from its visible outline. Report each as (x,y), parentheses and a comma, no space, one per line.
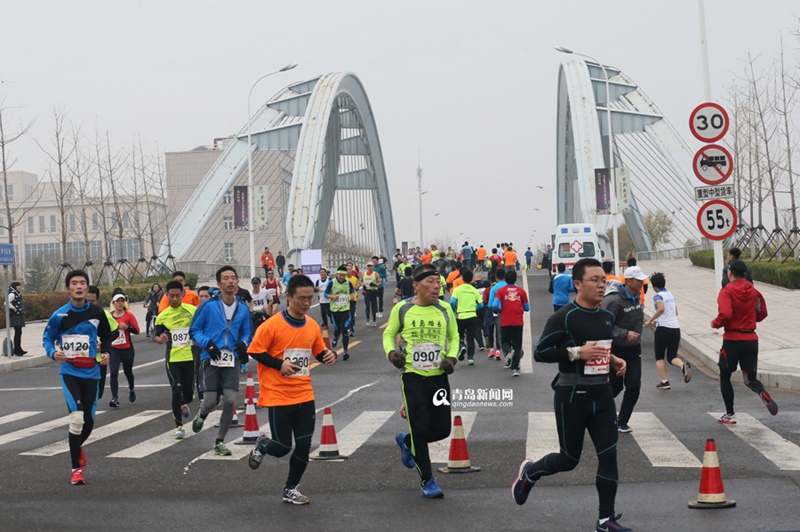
(786,275)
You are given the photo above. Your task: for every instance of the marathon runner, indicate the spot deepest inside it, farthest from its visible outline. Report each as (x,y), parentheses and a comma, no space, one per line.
(339,292)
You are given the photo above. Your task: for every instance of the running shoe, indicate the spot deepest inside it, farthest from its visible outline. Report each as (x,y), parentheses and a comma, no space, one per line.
(352,333)
(180,433)
(77,477)
(185,411)
(257,455)
(772,406)
(509,359)
(380,314)
(687,372)
(221,450)
(727,419)
(461,352)
(612,525)
(663,385)
(345,356)
(522,484)
(430,490)
(481,348)
(471,362)
(132,396)
(335,341)
(405,453)
(114,403)
(623,427)
(491,354)
(516,373)
(197,422)
(293,496)
(82,459)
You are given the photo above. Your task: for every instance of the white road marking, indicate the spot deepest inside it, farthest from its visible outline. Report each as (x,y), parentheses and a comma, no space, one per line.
(10,418)
(163,441)
(542,435)
(440,451)
(348,394)
(37,429)
(358,431)
(100,433)
(775,448)
(526,362)
(659,444)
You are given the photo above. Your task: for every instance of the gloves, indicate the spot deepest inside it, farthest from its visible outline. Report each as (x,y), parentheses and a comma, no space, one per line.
(448,365)
(397,359)
(213,350)
(241,350)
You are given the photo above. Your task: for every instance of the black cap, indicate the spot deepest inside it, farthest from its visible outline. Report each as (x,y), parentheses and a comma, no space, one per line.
(738,267)
(255,280)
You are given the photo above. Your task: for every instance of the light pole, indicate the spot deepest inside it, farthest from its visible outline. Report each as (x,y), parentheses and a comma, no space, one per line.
(250,218)
(419,188)
(611,172)
(408,211)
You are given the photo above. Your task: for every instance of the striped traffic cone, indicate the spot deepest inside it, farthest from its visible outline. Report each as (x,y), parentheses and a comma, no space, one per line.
(328,447)
(458,461)
(251,430)
(712,493)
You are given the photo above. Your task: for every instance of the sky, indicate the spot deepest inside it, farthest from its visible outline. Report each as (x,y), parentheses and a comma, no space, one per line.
(465,89)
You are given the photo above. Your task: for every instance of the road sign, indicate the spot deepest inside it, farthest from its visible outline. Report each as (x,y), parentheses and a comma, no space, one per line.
(709,122)
(712,164)
(6,254)
(717,219)
(715,192)
(576,246)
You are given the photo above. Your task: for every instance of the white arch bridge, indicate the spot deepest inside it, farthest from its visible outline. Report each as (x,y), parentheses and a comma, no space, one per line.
(318,175)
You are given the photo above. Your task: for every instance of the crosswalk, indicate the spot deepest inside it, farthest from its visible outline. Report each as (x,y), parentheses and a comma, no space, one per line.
(661,447)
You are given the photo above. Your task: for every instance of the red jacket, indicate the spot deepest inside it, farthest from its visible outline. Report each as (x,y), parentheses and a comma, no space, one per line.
(123,341)
(741,306)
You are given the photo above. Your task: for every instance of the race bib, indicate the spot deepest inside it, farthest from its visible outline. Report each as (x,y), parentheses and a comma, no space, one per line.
(75,345)
(271,293)
(299,357)
(342,299)
(121,339)
(226,359)
(180,337)
(599,365)
(426,356)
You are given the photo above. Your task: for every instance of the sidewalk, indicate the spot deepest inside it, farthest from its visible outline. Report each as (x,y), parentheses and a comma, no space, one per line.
(695,290)
(32,342)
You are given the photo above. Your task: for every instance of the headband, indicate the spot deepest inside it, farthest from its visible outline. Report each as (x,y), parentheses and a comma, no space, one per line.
(342,271)
(427,273)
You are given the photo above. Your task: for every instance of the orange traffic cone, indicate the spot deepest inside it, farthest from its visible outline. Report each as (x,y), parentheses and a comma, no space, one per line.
(712,493)
(458,461)
(325,337)
(251,430)
(328,447)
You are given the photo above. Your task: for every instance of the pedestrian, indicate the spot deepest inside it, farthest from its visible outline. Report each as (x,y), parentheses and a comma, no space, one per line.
(122,351)
(339,292)
(740,307)
(280,262)
(528,258)
(321,287)
(622,300)
(283,348)
(734,254)
(172,330)
(512,303)
(547,261)
(583,400)
(667,332)
(560,286)
(267,261)
(465,302)
(76,328)
(151,302)
(16,316)
(430,338)
(221,327)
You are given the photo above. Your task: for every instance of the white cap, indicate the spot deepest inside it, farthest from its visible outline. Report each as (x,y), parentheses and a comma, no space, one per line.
(635,272)
(118,296)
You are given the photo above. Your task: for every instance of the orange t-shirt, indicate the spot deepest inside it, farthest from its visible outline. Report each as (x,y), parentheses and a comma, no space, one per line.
(451,277)
(510,257)
(274,337)
(190,299)
(481,253)
(426,258)
(458,282)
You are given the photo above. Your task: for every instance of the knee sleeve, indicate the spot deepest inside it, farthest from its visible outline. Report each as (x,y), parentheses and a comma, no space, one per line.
(75,422)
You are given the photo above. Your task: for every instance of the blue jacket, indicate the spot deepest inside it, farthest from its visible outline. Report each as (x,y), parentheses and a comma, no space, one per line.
(88,320)
(209,323)
(562,286)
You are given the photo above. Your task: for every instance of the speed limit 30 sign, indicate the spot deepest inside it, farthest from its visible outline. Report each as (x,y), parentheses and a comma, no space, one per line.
(717,220)
(709,122)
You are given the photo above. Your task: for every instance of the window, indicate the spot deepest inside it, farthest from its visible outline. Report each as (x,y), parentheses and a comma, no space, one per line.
(10,192)
(126,222)
(72,223)
(113,220)
(136,220)
(131,249)
(47,252)
(41,224)
(228,251)
(52,223)
(227,199)
(95,224)
(2,226)
(227,223)
(30,224)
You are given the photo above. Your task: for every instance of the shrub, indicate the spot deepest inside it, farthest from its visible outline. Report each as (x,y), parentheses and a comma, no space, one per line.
(786,275)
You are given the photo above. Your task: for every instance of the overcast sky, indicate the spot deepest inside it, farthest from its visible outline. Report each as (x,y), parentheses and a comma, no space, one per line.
(470,86)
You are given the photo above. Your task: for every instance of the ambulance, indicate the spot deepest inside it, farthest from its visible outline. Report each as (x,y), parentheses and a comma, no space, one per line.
(573,242)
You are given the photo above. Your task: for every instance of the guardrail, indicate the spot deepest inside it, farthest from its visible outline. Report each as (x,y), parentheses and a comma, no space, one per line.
(671,254)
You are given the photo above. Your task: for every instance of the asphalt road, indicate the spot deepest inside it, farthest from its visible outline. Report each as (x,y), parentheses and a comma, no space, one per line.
(177,487)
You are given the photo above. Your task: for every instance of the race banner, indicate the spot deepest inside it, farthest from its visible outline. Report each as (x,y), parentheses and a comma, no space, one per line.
(260,207)
(624,194)
(240,208)
(602,189)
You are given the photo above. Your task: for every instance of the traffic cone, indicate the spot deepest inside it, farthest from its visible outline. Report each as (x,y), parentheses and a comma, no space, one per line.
(251,430)
(325,337)
(712,493)
(235,419)
(328,447)
(458,461)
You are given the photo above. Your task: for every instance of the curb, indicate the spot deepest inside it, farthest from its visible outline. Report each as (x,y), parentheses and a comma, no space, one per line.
(23,362)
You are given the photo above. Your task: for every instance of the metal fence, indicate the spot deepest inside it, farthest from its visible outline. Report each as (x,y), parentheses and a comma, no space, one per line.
(671,254)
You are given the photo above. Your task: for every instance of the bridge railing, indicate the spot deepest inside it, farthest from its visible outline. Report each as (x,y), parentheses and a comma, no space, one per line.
(672,254)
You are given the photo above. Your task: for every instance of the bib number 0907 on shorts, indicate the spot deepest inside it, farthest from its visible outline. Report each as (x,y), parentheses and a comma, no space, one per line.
(426,356)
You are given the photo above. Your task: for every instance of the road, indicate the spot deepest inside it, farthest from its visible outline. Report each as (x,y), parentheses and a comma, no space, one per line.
(174,485)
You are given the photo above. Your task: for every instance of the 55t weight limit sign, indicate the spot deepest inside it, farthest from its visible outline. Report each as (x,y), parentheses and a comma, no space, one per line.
(717,220)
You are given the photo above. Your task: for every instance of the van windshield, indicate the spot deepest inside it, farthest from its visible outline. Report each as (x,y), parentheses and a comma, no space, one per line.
(565,252)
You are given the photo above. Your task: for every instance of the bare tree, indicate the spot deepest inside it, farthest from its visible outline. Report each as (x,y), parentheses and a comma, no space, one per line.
(785,108)
(80,177)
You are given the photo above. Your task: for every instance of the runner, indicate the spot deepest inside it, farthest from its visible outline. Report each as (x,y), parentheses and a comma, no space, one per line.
(547,261)
(466,253)
(273,289)
(287,275)
(480,256)
(465,302)
(258,304)
(339,292)
(77,327)
(512,303)
(405,288)
(560,286)
(121,350)
(221,327)
(352,276)
(668,332)
(528,258)
(151,302)
(190,297)
(283,348)
(267,260)
(321,287)
(172,329)
(740,306)
(371,282)
(583,400)
(510,259)
(430,336)
(380,269)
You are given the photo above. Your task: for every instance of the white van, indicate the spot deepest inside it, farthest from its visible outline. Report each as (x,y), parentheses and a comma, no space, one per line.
(573,242)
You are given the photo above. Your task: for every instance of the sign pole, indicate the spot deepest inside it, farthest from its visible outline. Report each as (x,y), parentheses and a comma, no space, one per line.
(8,347)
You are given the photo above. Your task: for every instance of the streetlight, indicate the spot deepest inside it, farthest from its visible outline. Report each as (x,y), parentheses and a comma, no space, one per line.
(612,173)
(250,217)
